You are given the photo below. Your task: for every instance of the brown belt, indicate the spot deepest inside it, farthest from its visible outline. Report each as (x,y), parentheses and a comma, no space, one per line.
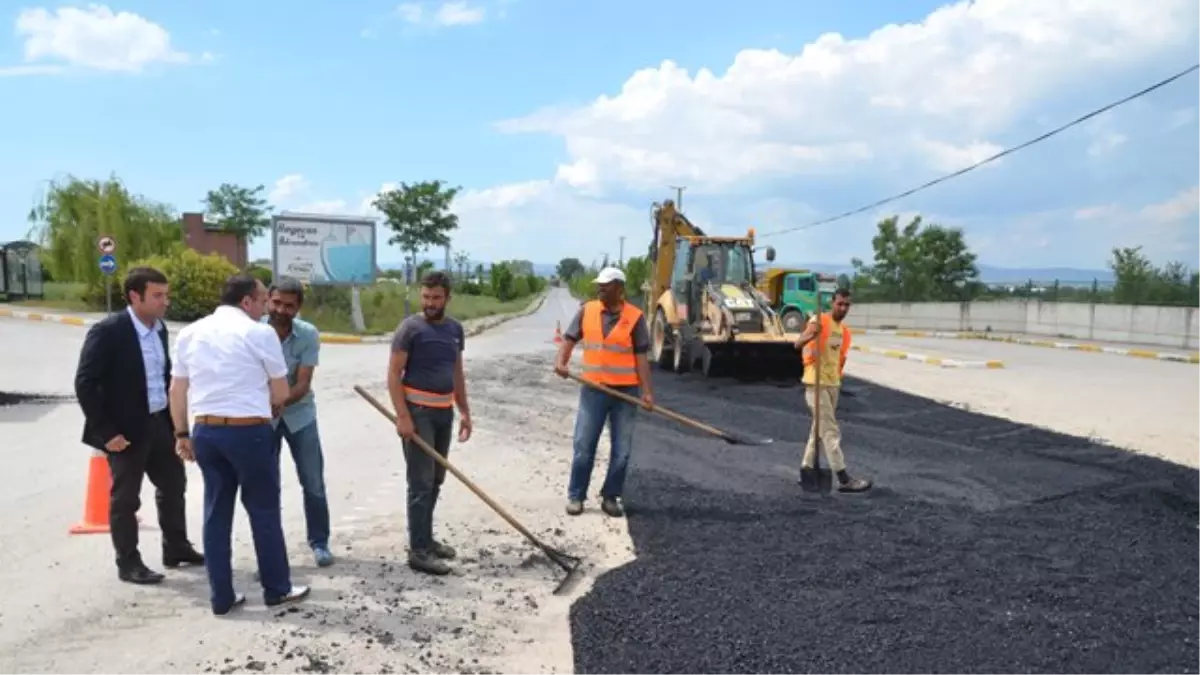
(218,421)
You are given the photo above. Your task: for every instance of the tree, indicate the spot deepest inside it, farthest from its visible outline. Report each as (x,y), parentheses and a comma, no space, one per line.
(637,270)
(73,215)
(919,263)
(501,278)
(461,260)
(568,268)
(1138,281)
(243,211)
(419,216)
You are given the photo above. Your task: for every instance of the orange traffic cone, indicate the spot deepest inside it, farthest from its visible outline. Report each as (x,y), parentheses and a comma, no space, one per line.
(95,506)
(558,333)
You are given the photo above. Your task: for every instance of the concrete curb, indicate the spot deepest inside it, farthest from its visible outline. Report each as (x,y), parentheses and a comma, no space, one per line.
(472,327)
(1052,344)
(929,360)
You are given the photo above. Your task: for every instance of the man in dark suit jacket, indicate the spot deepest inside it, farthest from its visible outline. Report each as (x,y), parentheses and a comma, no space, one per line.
(121,384)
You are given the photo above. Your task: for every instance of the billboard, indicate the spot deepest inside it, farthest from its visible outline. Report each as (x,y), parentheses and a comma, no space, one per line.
(323,250)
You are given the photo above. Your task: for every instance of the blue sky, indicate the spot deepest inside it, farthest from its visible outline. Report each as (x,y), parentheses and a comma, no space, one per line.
(563,121)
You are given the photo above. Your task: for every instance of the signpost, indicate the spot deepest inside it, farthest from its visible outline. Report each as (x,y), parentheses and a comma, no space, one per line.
(108,265)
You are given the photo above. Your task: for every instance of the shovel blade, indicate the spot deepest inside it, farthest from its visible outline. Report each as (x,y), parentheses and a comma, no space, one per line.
(738,439)
(816,480)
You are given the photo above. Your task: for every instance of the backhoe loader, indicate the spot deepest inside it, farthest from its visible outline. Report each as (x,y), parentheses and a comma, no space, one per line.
(703,305)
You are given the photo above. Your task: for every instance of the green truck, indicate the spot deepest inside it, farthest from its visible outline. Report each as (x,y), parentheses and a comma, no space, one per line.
(793,294)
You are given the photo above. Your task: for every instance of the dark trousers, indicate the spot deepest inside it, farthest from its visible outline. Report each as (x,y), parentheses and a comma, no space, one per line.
(425,475)
(152,457)
(305,444)
(232,457)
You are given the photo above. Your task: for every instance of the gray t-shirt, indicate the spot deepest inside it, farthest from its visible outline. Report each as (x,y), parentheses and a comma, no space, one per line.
(433,349)
(641,334)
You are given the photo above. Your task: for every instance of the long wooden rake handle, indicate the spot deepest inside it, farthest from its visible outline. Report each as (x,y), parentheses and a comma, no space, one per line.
(670,414)
(437,457)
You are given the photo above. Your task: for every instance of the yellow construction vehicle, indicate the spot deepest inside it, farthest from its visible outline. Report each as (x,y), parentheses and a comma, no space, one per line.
(703,306)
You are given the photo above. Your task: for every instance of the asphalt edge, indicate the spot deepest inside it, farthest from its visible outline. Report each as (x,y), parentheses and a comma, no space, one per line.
(472,327)
(928,360)
(1149,354)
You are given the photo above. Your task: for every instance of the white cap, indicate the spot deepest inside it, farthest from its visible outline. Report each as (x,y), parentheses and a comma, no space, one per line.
(609,275)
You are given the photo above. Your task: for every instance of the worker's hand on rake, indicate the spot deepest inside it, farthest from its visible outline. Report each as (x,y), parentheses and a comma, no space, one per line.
(464,428)
(648,400)
(405,427)
(560,369)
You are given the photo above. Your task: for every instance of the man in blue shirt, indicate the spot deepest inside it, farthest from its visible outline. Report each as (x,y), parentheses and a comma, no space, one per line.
(296,421)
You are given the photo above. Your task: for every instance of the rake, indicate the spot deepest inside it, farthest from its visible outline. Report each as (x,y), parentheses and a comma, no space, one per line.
(569,563)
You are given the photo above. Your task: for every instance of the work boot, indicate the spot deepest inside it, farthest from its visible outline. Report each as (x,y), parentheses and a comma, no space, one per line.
(848,484)
(574,507)
(427,562)
(444,551)
(612,507)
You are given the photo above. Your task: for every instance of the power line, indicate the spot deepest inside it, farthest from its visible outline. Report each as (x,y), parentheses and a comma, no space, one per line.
(1002,153)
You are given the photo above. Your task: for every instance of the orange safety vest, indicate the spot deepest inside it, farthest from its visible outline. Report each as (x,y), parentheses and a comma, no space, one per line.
(809,354)
(428,399)
(609,360)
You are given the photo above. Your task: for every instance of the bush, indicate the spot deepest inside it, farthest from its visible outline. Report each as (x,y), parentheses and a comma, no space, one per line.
(196,281)
(261,273)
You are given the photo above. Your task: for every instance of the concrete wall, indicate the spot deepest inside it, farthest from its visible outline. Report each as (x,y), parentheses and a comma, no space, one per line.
(1175,327)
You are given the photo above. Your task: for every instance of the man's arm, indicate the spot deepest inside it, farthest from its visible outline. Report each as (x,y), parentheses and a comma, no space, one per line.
(460,378)
(397,363)
(266,345)
(641,347)
(89,381)
(304,373)
(573,335)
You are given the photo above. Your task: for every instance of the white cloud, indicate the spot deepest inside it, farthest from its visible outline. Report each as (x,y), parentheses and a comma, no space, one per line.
(293,192)
(859,118)
(287,188)
(95,38)
(452,13)
(1166,230)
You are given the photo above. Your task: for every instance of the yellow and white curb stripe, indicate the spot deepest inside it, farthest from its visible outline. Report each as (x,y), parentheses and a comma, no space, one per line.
(43,316)
(928,360)
(1176,357)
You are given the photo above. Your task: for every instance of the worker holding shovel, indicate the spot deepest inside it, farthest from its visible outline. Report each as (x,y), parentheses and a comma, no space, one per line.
(824,346)
(615,341)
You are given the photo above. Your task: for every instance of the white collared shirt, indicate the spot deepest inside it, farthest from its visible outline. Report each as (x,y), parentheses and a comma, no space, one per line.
(228,359)
(154,361)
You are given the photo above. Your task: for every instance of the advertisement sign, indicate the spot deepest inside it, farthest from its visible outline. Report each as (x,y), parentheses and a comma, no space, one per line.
(323,250)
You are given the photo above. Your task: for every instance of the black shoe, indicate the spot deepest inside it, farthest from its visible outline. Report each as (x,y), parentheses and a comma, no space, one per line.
(139,574)
(427,562)
(574,507)
(297,594)
(188,556)
(238,601)
(444,551)
(612,507)
(854,485)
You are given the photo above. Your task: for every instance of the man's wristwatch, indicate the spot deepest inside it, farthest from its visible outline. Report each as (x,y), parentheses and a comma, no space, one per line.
(182,434)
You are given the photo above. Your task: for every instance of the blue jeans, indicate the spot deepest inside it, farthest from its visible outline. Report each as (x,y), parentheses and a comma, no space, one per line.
(305,445)
(595,408)
(232,457)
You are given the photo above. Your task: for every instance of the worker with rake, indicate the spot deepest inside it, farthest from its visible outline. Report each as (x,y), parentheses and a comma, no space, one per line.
(615,342)
(426,381)
(823,382)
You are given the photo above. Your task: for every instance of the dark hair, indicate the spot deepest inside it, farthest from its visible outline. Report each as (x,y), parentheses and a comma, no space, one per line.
(138,278)
(842,293)
(237,288)
(437,279)
(289,286)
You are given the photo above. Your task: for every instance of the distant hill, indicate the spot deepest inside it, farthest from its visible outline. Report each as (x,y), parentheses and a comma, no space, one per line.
(988,273)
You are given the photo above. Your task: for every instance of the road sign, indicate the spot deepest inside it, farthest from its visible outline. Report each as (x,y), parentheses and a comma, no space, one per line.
(106,244)
(108,264)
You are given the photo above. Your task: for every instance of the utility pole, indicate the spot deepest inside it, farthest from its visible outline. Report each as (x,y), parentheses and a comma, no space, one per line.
(678,195)
(621,255)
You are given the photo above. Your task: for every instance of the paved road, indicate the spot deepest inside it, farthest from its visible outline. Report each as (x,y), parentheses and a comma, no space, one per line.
(67,612)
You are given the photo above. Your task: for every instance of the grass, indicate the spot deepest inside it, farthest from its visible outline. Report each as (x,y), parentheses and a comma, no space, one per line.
(327,308)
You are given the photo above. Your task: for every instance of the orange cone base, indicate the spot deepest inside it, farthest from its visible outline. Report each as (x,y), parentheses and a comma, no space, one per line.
(89,528)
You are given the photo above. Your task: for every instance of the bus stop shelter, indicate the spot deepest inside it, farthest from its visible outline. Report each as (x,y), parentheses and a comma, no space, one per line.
(21,271)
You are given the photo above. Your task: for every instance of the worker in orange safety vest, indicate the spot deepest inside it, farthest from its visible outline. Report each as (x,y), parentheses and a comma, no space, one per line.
(833,336)
(615,341)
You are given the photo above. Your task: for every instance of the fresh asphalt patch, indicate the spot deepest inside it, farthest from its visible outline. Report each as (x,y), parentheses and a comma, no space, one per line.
(985,546)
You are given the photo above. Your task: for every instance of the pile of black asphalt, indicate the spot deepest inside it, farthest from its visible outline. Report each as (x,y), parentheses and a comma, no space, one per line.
(986,546)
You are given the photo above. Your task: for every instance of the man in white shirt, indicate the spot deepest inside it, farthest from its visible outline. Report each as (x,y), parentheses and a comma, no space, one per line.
(231,369)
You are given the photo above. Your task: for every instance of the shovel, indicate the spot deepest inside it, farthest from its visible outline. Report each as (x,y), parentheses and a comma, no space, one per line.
(818,480)
(569,563)
(727,436)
